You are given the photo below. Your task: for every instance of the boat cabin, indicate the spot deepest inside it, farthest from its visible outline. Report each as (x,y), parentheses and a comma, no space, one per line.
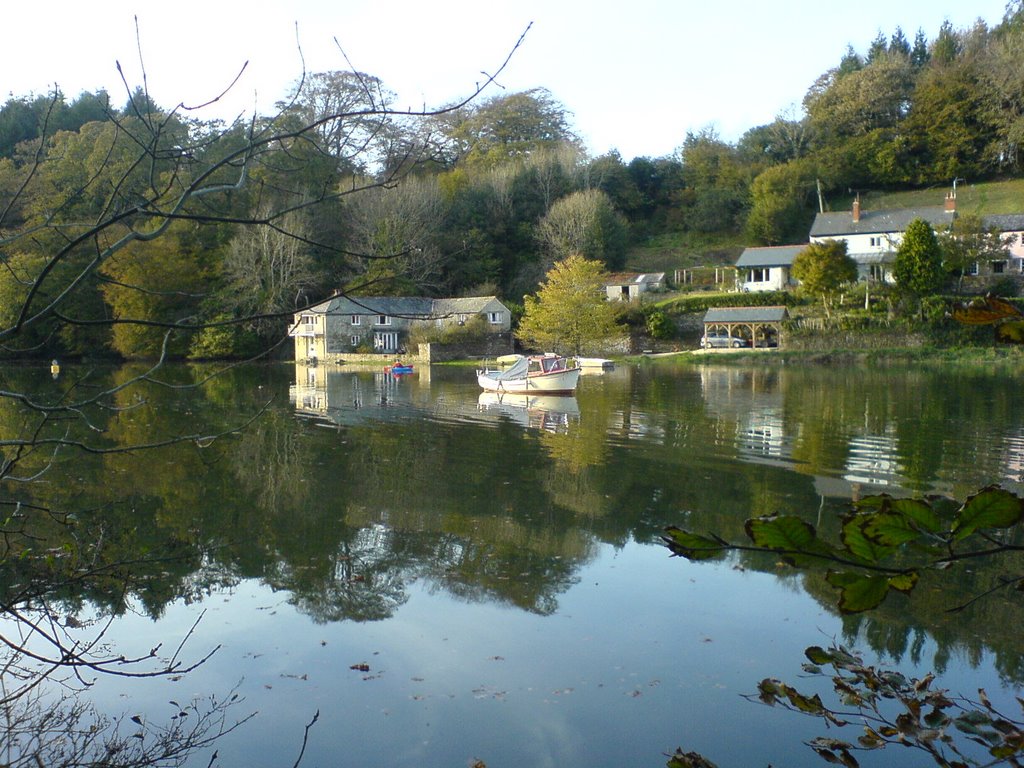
(547,364)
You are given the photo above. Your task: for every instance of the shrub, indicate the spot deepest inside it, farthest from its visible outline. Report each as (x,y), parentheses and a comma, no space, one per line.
(473,329)
(1005,287)
(659,325)
(704,302)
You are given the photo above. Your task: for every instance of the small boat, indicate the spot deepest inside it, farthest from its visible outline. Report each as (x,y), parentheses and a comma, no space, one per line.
(547,374)
(398,369)
(595,362)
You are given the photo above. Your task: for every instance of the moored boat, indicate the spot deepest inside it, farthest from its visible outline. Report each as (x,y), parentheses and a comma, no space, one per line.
(547,374)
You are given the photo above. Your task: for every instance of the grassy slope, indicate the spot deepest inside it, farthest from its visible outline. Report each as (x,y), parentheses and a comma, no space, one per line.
(677,250)
(988,197)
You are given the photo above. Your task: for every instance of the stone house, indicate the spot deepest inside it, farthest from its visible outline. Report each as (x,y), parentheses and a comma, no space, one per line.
(382,324)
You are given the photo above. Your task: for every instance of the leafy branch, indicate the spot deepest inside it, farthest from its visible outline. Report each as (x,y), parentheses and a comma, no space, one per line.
(885,543)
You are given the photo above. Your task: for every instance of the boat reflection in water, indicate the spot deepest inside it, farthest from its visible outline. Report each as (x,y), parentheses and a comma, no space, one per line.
(553,413)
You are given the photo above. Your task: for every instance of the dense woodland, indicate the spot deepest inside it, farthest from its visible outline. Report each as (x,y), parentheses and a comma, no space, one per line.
(353,195)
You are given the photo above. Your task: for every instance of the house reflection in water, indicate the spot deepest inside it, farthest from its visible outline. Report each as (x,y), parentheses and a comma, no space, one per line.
(345,395)
(752,401)
(874,460)
(750,406)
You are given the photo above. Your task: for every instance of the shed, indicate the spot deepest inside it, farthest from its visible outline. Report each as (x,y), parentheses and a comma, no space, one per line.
(627,286)
(759,324)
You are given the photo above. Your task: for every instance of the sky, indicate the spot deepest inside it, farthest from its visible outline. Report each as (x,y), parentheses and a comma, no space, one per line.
(635,75)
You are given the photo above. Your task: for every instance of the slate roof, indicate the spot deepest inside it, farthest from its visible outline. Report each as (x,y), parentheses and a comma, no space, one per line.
(394,306)
(745,315)
(633,278)
(415,307)
(832,224)
(1005,222)
(775,256)
(465,306)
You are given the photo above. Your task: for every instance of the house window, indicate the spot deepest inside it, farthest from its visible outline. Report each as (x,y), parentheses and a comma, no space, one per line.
(877,272)
(1020,265)
(353,340)
(494,318)
(308,320)
(759,275)
(383,320)
(876,242)
(355,320)
(973,269)
(998,267)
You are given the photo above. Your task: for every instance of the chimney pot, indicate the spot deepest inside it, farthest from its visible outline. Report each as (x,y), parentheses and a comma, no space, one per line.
(950,206)
(856,210)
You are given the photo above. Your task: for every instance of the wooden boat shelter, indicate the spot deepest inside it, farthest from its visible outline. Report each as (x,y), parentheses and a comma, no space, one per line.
(751,323)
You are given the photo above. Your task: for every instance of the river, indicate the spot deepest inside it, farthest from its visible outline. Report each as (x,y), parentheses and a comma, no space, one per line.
(441,577)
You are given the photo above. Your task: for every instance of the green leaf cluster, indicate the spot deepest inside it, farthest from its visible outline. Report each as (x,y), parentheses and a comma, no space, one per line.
(885,543)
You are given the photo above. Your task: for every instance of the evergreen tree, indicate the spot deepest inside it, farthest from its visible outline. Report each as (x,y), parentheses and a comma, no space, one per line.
(878,48)
(919,55)
(851,62)
(898,44)
(947,45)
(918,266)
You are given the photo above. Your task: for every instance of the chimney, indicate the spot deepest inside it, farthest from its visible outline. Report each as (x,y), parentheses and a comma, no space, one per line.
(950,206)
(856,209)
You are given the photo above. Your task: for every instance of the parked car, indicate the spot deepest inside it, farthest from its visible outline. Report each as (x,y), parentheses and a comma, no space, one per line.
(720,339)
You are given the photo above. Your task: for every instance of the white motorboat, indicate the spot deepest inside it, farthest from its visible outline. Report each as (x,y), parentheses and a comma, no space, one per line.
(546,374)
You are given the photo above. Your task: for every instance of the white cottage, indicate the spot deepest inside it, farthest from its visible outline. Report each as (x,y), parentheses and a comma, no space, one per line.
(767,268)
(872,237)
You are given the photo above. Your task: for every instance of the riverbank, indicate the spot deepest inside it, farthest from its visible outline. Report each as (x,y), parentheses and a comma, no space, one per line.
(1002,355)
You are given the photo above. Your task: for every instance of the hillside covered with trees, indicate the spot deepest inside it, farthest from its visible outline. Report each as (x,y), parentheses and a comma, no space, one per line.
(110,231)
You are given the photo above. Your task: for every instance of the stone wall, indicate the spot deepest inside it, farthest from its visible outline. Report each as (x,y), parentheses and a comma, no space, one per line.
(831,340)
(494,345)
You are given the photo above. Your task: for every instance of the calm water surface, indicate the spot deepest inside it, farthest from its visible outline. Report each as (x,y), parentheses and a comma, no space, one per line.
(447,576)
